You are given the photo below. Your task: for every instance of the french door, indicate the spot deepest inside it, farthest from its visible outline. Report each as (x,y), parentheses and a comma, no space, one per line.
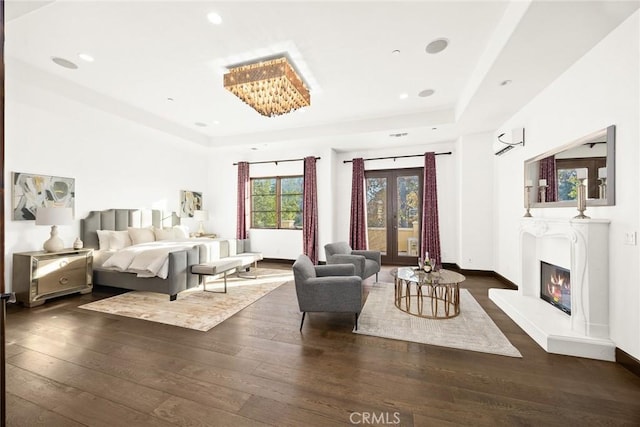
(394,203)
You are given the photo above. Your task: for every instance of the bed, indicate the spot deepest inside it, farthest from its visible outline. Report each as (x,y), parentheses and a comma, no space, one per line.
(178,268)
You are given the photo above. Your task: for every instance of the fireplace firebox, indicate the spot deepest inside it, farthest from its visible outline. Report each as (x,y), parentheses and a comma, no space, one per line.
(555,286)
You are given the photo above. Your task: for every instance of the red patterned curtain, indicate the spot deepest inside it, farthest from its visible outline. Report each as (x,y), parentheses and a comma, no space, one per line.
(430,235)
(243,200)
(310,210)
(548,171)
(358,227)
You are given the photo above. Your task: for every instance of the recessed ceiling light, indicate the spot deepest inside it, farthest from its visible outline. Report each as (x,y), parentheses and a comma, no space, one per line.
(86,57)
(434,128)
(395,52)
(404,95)
(254,148)
(398,135)
(426,92)
(64,63)
(170,99)
(437,46)
(200,124)
(505,82)
(214,18)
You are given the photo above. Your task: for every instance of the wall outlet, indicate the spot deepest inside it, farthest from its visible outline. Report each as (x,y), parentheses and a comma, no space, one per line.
(630,238)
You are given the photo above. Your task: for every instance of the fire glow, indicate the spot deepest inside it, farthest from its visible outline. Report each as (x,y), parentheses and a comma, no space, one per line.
(555,286)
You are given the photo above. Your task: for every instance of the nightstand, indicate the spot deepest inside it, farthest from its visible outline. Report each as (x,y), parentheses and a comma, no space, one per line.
(209,235)
(39,275)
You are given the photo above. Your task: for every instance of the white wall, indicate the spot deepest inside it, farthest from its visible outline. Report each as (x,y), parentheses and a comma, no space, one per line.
(599,90)
(475,215)
(334,194)
(446,176)
(279,244)
(115,163)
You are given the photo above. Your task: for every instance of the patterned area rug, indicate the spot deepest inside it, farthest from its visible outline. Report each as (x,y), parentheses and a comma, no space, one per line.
(194,308)
(472,329)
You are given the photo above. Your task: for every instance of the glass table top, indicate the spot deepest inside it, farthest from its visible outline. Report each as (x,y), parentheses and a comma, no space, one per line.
(413,274)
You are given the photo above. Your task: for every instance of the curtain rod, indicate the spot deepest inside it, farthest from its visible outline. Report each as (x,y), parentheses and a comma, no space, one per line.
(399,157)
(276,161)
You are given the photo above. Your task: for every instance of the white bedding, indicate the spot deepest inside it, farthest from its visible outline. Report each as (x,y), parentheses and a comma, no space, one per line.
(101,256)
(147,259)
(152,259)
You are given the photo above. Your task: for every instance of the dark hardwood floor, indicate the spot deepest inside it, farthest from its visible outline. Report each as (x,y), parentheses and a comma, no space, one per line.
(69,367)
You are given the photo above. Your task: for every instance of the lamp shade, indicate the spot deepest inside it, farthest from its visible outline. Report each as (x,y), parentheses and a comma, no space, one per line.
(201,215)
(54,216)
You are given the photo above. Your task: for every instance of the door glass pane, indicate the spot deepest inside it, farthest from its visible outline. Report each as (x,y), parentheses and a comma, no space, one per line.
(408,198)
(377,214)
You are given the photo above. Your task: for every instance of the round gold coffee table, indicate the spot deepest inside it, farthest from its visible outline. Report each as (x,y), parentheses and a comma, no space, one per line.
(434,295)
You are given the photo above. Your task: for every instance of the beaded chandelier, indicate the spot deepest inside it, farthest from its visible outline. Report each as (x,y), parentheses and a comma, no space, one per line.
(271,86)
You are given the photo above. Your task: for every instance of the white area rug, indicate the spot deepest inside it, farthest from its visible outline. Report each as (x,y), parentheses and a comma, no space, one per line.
(194,308)
(472,329)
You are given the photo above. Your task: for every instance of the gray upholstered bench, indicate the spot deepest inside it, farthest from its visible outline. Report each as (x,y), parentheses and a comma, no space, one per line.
(213,268)
(246,259)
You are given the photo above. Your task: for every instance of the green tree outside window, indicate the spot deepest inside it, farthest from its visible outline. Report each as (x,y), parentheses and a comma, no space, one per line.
(276,202)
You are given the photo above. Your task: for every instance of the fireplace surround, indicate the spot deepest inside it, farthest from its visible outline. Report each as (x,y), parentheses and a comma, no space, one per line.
(582,247)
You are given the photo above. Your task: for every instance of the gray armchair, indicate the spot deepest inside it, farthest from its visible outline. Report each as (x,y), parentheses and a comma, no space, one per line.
(367,263)
(327,288)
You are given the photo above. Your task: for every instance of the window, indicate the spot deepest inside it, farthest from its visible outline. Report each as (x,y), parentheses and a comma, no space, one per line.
(276,202)
(567,170)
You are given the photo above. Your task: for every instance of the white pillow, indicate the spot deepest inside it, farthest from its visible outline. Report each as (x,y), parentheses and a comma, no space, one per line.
(119,240)
(103,239)
(113,240)
(164,234)
(141,235)
(181,231)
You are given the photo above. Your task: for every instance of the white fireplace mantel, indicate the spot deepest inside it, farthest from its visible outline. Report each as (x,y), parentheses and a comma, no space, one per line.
(582,246)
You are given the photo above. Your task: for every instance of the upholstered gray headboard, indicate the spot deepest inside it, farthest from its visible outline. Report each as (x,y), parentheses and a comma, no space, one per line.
(120,219)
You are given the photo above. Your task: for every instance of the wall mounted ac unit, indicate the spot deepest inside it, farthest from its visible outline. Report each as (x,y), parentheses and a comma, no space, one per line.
(517,138)
(503,150)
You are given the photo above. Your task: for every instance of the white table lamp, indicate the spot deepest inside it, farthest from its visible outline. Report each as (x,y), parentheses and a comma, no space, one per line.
(201,215)
(54,217)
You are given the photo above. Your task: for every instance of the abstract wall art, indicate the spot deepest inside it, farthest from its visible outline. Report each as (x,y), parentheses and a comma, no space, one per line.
(190,201)
(31,191)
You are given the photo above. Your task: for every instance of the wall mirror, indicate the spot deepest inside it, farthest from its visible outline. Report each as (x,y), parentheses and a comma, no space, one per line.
(553,175)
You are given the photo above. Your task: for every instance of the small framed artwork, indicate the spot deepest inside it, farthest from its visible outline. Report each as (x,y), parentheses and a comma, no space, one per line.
(190,201)
(31,191)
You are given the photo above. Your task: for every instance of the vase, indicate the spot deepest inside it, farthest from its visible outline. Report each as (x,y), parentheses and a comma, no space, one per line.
(77,244)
